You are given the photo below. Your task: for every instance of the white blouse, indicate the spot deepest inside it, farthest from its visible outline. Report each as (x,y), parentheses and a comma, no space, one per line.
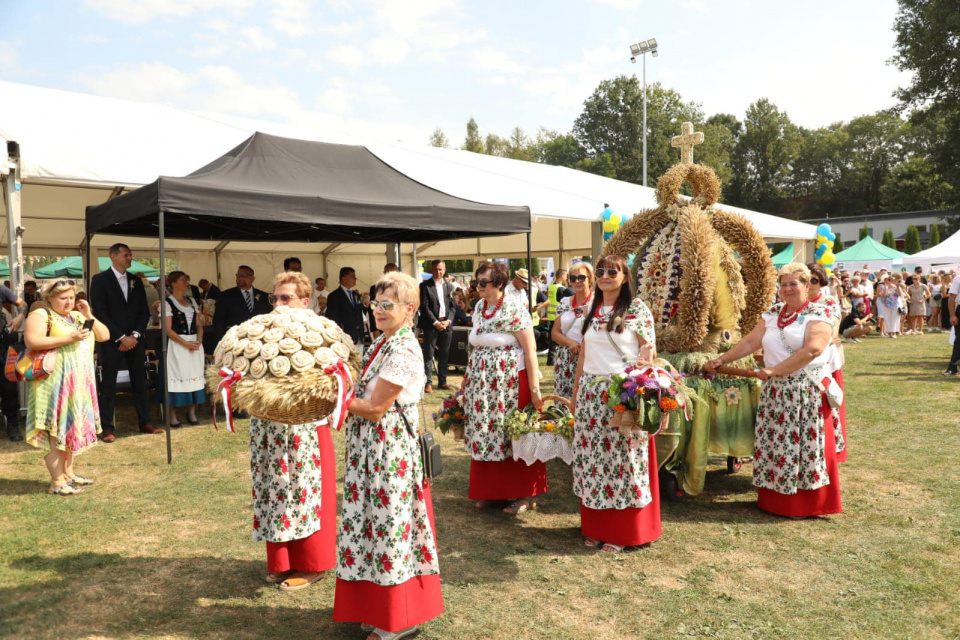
(402,369)
(776,350)
(188,310)
(496,340)
(570,325)
(602,358)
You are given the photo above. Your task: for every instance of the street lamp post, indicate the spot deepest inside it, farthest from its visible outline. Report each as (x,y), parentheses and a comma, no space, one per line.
(642,48)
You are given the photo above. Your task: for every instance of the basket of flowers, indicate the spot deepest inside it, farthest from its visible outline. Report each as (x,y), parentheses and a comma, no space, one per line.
(283,366)
(451,416)
(541,435)
(643,396)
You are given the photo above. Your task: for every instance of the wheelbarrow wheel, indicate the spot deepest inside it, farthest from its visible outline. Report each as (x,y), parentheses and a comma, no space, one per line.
(670,487)
(733,464)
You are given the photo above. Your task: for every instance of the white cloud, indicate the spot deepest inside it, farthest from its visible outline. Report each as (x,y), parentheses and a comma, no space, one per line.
(292,17)
(256,39)
(495,61)
(347,55)
(143,11)
(342,29)
(620,4)
(92,38)
(388,50)
(341,96)
(8,56)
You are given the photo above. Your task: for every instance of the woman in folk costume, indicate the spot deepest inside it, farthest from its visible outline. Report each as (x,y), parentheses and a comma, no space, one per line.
(819,295)
(388,578)
(294,472)
(614,476)
(795,464)
(568,328)
(502,375)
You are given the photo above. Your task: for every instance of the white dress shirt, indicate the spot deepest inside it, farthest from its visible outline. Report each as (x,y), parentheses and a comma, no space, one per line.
(443,307)
(124,282)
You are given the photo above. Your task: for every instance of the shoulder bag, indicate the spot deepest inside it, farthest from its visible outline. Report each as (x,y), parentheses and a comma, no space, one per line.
(429,450)
(30,364)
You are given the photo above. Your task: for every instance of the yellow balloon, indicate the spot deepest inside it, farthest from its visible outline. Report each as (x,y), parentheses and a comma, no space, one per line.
(829,272)
(609,226)
(616,219)
(829,244)
(821,240)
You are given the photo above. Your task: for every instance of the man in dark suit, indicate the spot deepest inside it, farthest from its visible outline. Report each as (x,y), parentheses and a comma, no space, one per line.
(209,291)
(436,321)
(240,303)
(119,301)
(344,307)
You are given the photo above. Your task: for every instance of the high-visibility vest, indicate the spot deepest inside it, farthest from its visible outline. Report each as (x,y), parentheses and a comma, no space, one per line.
(552,301)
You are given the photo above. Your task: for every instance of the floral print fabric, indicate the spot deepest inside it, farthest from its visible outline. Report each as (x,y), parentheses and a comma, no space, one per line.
(385,535)
(609,470)
(564,371)
(285,470)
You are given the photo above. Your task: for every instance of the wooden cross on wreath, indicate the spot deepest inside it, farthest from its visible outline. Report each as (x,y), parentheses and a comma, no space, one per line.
(686,141)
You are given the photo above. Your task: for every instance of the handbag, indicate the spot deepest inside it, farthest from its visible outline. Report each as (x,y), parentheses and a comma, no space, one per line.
(30,364)
(429,450)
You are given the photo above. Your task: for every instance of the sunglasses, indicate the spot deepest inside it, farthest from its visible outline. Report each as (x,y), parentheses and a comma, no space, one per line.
(385,305)
(580,278)
(483,283)
(283,297)
(601,272)
(64,283)
(814,280)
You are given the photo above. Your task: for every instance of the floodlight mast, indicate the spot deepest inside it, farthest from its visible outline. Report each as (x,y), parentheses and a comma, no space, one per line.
(642,48)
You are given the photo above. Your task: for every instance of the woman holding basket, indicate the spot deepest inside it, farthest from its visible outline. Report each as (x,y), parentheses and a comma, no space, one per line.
(614,476)
(502,375)
(388,578)
(568,329)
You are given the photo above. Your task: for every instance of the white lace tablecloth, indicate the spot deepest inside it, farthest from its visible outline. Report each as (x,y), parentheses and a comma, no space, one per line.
(533,447)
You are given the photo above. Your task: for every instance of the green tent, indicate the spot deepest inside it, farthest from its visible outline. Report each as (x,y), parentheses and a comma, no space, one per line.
(784,257)
(869,251)
(73,267)
(4,269)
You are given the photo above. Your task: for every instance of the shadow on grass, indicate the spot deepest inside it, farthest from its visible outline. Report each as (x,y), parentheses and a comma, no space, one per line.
(94,594)
(23,486)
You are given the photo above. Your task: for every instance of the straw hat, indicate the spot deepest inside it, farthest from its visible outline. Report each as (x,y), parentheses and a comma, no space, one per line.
(523,275)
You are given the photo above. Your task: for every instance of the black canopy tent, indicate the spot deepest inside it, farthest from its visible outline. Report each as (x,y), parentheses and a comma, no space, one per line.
(276,189)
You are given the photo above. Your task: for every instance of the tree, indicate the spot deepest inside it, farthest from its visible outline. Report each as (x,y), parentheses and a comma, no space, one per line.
(914,185)
(934,236)
(888,239)
(602,165)
(951,223)
(837,244)
(439,139)
(762,159)
(473,142)
(612,123)
(864,232)
(875,147)
(561,151)
(820,177)
(519,146)
(911,243)
(494,145)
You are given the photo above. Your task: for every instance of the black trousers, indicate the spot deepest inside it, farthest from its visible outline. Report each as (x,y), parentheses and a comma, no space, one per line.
(955,356)
(112,360)
(437,342)
(551,345)
(10,402)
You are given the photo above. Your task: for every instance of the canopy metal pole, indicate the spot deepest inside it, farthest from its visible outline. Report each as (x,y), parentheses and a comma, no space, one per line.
(399,258)
(413,267)
(530,280)
(87,274)
(11,201)
(163,342)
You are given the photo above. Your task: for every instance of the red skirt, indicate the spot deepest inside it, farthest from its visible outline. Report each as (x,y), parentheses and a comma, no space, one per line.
(808,503)
(628,527)
(395,607)
(318,551)
(508,479)
(842,455)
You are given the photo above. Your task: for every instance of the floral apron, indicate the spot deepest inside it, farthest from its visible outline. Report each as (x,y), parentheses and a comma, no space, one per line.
(385,534)
(285,470)
(493,385)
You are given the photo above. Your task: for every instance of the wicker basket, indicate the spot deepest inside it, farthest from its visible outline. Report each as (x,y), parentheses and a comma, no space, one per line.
(312,411)
(564,401)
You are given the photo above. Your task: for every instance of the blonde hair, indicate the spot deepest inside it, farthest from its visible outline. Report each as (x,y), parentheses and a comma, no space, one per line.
(297,278)
(400,285)
(583,266)
(794,268)
(53,288)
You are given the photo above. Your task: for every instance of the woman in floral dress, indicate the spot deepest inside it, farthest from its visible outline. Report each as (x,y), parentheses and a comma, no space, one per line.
(795,464)
(294,473)
(818,294)
(502,375)
(388,578)
(568,329)
(614,476)
(889,294)
(63,415)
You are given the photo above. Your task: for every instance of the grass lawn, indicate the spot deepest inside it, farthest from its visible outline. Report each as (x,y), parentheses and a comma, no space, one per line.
(164,551)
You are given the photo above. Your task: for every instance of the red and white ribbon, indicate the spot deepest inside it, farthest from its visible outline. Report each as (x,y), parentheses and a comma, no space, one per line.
(225,390)
(345,392)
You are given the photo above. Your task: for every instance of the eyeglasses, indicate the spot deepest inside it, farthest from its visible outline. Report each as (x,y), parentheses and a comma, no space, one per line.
(244,275)
(580,278)
(483,283)
(64,283)
(607,272)
(385,305)
(283,297)
(814,280)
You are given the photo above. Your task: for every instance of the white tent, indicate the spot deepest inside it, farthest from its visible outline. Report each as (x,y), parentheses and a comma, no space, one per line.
(75,150)
(945,253)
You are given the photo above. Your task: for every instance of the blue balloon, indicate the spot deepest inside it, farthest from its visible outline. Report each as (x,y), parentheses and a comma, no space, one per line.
(823,229)
(607,213)
(820,250)
(831,236)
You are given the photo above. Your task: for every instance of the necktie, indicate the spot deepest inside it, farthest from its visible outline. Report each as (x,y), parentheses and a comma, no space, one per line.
(353,303)
(124,287)
(249,296)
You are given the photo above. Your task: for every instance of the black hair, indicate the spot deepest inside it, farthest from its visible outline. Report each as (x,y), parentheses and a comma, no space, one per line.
(288,261)
(622,304)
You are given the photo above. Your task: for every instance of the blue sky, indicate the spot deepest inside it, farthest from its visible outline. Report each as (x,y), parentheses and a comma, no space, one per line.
(397,69)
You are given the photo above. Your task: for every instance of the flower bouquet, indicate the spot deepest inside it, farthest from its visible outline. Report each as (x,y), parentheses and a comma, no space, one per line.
(541,435)
(642,397)
(451,416)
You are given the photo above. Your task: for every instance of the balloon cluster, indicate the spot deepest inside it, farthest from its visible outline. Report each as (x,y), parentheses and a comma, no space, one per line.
(824,252)
(611,222)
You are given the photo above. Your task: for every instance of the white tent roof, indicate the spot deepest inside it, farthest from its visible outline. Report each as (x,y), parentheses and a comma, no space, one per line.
(71,139)
(947,252)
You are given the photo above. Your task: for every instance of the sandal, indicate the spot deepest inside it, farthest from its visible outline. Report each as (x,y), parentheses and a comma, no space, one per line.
(380,634)
(590,542)
(65,490)
(482,505)
(519,506)
(80,481)
(276,577)
(611,548)
(295,582)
